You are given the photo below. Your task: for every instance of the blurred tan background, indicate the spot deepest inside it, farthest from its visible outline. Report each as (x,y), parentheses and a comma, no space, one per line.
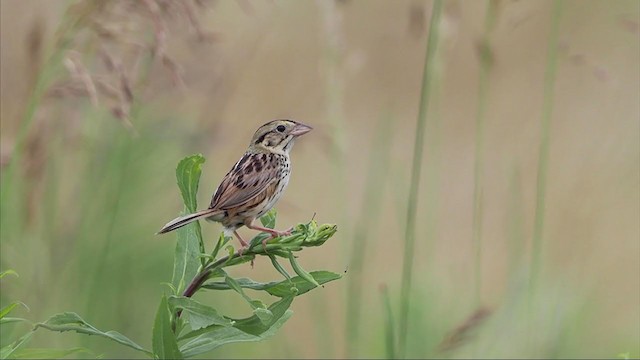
(347,68)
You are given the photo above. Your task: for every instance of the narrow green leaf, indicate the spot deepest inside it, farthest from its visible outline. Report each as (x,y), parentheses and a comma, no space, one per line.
(278,288)
(284,288)
(222,241)
(8,320)
(8,272)
(235,286)
(69,321)
(197,314)
(242,282)
(300,271)
(259,308)
(7,351)
(7,309)
(268,220)
(279,267)
(164,341)
(48,353)
(189,246)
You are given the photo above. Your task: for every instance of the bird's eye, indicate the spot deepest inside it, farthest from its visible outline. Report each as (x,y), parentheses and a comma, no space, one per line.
(280,128)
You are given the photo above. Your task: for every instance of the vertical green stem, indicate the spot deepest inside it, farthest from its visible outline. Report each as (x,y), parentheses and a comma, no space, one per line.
(362,239)
(389,328)
(543,156)
(485,67)
(410,231)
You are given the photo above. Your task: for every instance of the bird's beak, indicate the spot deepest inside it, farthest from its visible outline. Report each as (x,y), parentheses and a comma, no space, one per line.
(300,129)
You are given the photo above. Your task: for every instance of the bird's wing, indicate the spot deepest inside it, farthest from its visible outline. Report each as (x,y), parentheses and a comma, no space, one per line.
(247,179)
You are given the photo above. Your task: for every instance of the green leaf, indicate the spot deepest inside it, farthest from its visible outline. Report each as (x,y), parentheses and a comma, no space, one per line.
(300,271)
(69,321)
(265,315)
(7,351)
(164,341)
(245,330)
(279,267)
(48,353)
(187,256)
(197,314)
(259,308)
(222,241)
(284,288)
(188,175)
(7,309)
(8,272)
(278,288)
(242,282)
(268,220)
(8,320)
(189,246)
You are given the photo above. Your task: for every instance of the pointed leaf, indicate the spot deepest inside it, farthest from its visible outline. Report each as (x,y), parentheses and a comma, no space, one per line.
(7,309)
(284,288)
(278,288)
(279,267)
(188,175)
(8,320)
(8,272)
(7,351)
(189,246)
(69,321)
(268,220)
(197,314)
(48,353)
(164,341)
(300,271)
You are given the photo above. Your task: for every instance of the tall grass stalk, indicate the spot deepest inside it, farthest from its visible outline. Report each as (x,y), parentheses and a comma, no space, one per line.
(376,178)
(543,154)
(483,82)
(410,229)
(389,328)
(543,165)
(331,17)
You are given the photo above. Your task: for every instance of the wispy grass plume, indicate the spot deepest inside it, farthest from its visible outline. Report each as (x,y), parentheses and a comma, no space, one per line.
(410,229)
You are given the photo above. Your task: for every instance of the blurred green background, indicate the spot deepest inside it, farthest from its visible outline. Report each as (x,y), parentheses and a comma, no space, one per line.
(100,100)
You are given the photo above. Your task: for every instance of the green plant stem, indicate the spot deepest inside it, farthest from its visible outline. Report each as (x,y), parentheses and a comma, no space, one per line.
(543,156)
(362,239)
(485,67)
(543,165)
(389,325)
(407,268)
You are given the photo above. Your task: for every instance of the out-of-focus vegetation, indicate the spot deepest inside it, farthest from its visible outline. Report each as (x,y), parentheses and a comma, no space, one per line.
(101,99)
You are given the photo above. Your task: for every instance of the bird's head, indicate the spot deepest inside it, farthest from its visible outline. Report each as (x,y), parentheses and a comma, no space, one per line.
(277,136)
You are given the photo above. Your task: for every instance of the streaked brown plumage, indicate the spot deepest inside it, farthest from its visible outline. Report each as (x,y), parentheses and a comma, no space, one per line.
(254,184)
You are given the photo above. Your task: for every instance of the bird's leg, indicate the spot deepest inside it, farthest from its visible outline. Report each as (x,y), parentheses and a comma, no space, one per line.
(244,244)
(274,233)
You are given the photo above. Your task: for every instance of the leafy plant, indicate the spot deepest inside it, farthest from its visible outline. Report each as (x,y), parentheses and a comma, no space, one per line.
(184,327)
(15,349)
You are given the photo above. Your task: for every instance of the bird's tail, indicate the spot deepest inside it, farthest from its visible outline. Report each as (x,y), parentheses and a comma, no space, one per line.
(186,219)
